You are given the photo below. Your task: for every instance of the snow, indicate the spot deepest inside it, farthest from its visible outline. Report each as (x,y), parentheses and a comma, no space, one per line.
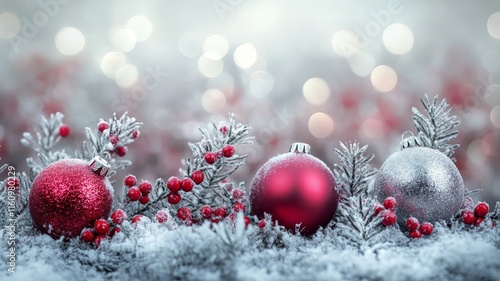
(152,251)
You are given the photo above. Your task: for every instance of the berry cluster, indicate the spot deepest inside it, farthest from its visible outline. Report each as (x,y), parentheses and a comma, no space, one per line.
(386,211)
(477,215)
(100,231)
(416,229)
(211,157)
(120,149)
(175,184)
(137,193)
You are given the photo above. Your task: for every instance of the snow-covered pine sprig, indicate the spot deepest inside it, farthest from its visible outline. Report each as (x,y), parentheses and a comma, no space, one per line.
(438,128)
(111,136)
(212,188)
(356,208)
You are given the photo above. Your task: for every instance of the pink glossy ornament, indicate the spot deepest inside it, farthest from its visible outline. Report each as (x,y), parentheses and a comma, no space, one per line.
(295,188)
(70,195)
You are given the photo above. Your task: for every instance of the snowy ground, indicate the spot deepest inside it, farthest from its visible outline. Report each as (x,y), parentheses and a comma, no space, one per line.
(157,252)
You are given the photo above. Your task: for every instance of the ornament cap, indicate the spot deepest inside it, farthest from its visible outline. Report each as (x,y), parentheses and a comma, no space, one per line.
(412,141)
(300,147)
(100,164)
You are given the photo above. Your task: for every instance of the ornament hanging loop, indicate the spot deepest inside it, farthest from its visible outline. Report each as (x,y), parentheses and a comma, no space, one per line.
(100,164)
(412,141)
(300,147)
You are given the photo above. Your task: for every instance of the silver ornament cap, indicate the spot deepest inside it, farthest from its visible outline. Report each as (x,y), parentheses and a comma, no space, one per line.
(100,164)
(413,141)
(300,147)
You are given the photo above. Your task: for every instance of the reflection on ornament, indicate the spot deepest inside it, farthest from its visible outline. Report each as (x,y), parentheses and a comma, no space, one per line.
(295,188)
(69,195)
(426,184)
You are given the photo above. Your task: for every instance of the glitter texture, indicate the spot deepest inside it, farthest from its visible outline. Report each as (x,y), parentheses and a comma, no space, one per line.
(68,196)
(426,184)
(295,188)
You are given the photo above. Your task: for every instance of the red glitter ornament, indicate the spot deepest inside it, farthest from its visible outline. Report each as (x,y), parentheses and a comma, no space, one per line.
(295,188)
(70,195)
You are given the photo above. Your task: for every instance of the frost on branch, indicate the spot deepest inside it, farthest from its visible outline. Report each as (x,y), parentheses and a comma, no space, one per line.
(356,213)
(213,189)
(437,129)
(119,134)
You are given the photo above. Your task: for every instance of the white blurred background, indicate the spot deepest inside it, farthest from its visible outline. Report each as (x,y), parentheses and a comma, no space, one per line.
(317,72)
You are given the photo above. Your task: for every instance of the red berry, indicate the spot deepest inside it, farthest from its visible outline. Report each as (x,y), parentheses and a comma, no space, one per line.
(98,239)
(161,217)
(197,176)
(388,217)
(130,180)
(426,228)
(238,194)
(12,181)
(174,184)
(262,224)
(134,194)
(135,134)
(224,129)
(377,208)
(239,207)
(478,221)
(101,226)
(215,220)
(232,216)
(482,209)
(228,150)
(174,198)
(64,130)
(206,212)
(145,187)
(412,224)
(247,221)
(187,184)
(390,203)
(118,216)
(113,139)
(210,157)
(415,234)
(121,151)
(144,200)
(184,213)
(468,217)
(219,212)
(136,219)
(103,125)
(114,231)
(87,235)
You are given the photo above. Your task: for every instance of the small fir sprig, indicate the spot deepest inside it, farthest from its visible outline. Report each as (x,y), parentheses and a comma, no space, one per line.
(357,210)
(438,128)
(202,192)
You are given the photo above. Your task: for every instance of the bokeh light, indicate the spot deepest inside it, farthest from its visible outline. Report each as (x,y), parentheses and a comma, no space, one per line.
(495,116)
(345,43)
(215,47)
(245,56)
(384,78)
(209,67)
(213,100)
(69,41)
(124,39)
(373,128)
(493,25)
(141,26)
(316,91)
(126,76)
(9,25)
(111,63)
(321,125)
(398,38)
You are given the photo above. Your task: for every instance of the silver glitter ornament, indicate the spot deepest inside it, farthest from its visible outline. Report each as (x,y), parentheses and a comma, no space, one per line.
(426,183)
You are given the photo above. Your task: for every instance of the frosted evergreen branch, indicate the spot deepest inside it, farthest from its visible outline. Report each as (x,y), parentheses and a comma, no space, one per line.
(213,191)
(438,128)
